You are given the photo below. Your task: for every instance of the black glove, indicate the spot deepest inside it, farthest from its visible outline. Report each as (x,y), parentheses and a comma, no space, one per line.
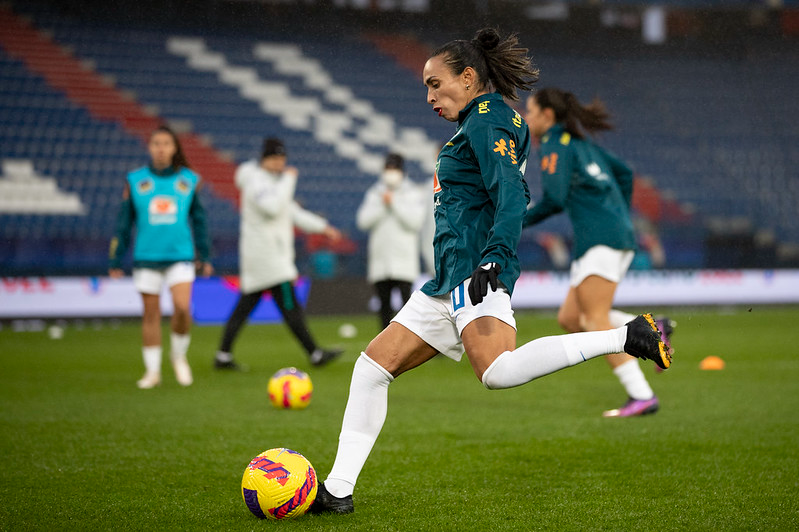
(484,275)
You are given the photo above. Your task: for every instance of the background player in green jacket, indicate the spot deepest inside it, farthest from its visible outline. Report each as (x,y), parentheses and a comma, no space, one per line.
(480,200)
(595,189)
(161,201)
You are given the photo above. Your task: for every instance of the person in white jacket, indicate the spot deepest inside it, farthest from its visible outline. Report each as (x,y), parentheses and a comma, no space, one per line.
(266,249)
(392,211)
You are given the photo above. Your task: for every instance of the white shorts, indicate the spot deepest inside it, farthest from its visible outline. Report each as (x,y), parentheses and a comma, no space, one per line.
(439,320)
(603,261)
(151,281)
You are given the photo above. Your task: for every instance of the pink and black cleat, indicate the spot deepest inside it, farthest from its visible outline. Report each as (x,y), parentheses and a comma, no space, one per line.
(634,407)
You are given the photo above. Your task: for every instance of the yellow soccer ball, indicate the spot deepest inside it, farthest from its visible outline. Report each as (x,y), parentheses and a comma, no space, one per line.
(290,388)
(279,484)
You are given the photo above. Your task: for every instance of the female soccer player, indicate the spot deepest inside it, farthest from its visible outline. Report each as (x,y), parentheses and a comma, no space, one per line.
(480,200)
(595,189)
(161,200)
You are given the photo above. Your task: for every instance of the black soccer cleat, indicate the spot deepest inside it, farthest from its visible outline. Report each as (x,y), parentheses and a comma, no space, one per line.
(229,365)
(327,503)
(320,357)
(644,340)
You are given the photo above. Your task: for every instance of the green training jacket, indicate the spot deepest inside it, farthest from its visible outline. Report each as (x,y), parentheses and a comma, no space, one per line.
(480,194)
(592,185)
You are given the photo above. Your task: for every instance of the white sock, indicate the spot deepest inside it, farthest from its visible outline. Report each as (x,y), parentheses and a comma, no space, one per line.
(619,318)
(224,356)
(179,345)
(363,418)
(152,358)
(550,354)
(633,380)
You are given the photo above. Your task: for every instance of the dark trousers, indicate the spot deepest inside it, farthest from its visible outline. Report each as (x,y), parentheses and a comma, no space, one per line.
(384,289)
(286,301)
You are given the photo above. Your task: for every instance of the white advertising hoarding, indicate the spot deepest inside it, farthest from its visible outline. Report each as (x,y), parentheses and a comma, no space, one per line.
(64,297)
(670,287)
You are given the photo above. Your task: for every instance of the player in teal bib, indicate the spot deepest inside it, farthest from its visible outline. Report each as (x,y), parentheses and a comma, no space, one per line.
(161,201)
(168,215)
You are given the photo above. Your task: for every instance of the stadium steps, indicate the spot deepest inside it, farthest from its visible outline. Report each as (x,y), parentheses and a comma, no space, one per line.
(83,85)
(404,49)
(23,191)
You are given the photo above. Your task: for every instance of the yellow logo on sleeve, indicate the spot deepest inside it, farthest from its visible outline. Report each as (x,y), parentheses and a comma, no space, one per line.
(482,107)
(506,148)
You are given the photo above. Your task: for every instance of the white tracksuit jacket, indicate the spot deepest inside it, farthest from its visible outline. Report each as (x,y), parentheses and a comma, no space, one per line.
(268,217)
(393,231)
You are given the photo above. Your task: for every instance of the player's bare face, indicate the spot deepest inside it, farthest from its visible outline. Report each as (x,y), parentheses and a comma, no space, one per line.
(162,149)
(446,92)
(537,120)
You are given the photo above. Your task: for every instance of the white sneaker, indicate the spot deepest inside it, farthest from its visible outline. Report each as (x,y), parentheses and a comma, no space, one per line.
(182,372)
(151,379)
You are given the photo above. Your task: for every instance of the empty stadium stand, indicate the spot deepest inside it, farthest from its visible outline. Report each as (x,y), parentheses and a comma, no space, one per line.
(715,134)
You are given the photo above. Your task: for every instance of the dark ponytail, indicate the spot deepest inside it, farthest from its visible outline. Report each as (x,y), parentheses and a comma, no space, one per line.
(179,159)
(575,117)
(500,63)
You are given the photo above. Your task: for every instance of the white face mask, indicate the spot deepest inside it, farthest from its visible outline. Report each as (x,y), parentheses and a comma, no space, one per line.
(392,177)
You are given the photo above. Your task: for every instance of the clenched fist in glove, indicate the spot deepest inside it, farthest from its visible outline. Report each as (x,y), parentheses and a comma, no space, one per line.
(484,275)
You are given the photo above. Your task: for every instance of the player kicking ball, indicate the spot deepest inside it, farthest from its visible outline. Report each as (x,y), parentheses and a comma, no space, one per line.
(480,200)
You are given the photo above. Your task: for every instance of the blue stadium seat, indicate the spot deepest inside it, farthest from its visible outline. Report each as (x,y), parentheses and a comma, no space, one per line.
(678,119)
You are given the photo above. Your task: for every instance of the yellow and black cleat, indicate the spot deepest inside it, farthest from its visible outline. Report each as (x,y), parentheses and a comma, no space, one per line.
(644,340)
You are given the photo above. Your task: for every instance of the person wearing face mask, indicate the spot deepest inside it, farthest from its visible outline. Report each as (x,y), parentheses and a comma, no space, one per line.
(392,212)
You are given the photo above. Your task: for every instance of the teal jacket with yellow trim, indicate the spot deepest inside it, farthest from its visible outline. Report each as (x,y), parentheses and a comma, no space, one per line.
(592,185)
(480,194)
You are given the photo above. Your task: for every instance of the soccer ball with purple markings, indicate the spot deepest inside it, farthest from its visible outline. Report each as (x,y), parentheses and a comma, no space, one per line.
(279,484)
(290,388)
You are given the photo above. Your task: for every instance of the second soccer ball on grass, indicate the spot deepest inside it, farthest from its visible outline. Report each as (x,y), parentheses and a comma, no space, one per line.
(290,388)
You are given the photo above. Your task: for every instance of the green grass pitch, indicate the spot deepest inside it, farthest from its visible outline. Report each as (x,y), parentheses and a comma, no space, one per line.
(81,448)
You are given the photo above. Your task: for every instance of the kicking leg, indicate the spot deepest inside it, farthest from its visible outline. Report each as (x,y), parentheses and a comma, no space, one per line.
(552,353)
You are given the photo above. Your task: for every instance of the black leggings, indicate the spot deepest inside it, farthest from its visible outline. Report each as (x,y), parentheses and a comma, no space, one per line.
(286,301)
(384,289)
